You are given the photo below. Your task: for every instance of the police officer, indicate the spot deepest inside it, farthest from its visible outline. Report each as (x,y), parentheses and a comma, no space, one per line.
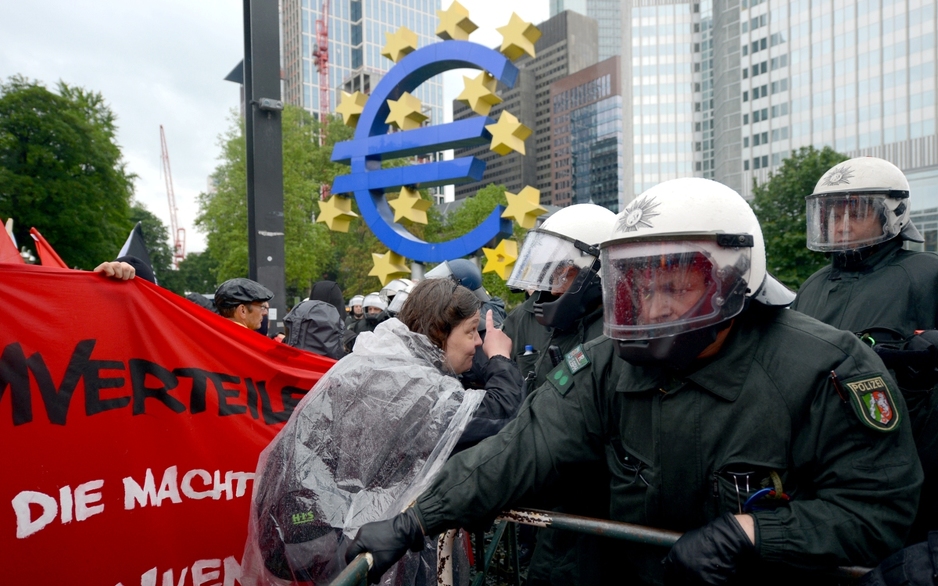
(559,262)
(718,413)
(243,301)
(859,213)
(355,310)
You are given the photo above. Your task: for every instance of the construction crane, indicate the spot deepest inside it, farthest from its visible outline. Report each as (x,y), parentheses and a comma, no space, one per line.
(321,58)
(177,233)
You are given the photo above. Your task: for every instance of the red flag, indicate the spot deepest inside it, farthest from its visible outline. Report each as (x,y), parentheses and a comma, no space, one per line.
(8,251)
(131,420)
(47,254)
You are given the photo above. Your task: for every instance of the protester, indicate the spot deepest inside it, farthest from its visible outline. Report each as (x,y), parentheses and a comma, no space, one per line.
(318,324)
(559,261)
(116,269)
(370,435)
(718,412)
(859,213)
(243,301)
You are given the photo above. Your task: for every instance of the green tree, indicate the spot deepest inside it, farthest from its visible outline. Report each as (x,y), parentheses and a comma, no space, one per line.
(469,215)
(223,214)
(62,172)
(196,274)
(779,203)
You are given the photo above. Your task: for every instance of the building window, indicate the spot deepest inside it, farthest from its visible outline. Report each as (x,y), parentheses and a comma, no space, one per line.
(746,165)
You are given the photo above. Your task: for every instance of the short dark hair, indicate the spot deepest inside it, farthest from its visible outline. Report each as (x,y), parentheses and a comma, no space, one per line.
(436,306)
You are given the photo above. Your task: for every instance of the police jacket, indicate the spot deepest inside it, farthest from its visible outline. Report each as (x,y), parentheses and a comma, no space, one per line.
(683,449)
(892,288)
(895,289)
(524,330)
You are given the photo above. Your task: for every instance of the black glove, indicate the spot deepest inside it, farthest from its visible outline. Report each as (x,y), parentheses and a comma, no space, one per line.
(709,555)
(387,541)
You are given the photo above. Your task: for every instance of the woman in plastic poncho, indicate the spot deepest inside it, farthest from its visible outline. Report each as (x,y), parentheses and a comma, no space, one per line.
(371,435)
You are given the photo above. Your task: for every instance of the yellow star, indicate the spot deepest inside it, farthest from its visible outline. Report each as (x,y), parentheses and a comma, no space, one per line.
(336,213)
(399,44)
(508,134)
(410,205)
(454,23)
(518,37)
(389,266)
(479,93)
(524,207)
(501,259)
(406,113)
(351,107)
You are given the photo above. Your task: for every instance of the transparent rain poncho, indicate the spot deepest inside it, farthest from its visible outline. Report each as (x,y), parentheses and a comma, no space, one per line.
(360,447)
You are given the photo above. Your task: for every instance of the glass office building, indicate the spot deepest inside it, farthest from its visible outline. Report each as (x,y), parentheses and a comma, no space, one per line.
(606,12)
(356,35)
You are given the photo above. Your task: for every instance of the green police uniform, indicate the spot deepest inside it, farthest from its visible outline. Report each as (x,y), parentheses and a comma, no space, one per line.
(682,451)
(895,289)
(562,557)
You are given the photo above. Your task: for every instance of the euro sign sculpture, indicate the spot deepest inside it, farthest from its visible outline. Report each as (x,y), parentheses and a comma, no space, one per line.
(372,143)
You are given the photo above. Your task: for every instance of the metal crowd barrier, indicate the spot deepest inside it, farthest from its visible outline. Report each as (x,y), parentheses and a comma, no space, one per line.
(356,573)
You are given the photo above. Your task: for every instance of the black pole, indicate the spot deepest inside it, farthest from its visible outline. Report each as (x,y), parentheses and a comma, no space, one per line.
(264,135)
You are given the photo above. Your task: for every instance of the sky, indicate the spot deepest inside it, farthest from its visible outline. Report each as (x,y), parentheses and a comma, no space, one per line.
(164,63)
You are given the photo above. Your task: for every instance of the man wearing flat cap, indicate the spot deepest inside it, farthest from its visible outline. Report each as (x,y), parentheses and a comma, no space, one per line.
(243,301)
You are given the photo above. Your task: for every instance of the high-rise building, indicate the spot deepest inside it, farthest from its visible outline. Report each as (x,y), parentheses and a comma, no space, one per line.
(606,13)
(567,44)
(727,89)
(356,35)
(587,155)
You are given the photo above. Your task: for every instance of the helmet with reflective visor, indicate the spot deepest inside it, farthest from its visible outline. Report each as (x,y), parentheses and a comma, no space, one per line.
(397,302)
(391,289)
(683,260)
(857,204)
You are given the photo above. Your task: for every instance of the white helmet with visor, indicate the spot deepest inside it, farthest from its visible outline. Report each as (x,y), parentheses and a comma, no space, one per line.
(857,204)
(683,259)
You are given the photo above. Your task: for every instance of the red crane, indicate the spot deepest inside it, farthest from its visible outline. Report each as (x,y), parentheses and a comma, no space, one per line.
(321,58)
(179,234)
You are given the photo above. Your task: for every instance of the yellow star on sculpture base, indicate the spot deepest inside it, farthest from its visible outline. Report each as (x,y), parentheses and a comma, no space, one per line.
(508,134)
(399,44)
(410,205)
(389,266)
(518,37)
(501,259)
(524,207)
(351,107)
(336,213)
(406,112)
(454,23)
(479,93)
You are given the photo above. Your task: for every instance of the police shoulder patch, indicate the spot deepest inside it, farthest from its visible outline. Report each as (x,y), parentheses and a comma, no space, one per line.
(576,359)
(874,401)
(561,379)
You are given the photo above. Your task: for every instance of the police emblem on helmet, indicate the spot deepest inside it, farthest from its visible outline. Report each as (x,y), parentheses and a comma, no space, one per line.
(838,175)
(637,214)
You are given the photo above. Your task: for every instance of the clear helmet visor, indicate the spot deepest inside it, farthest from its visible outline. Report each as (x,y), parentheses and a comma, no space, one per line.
(547,262)
(659,289)
(846,221)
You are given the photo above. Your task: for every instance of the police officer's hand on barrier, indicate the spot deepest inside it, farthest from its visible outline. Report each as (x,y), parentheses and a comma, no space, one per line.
(387,541)
(710,554)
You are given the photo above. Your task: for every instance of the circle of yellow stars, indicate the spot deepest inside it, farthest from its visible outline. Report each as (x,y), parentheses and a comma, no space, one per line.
(519,38)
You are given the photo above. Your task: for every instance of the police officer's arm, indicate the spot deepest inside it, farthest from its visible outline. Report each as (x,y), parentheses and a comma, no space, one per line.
(865,482)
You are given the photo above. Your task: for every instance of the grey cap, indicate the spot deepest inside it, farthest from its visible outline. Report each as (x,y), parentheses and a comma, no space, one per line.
(238,291)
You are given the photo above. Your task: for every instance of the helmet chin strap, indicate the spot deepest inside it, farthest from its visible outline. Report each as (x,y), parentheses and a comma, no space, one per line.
(675,352)
(562,312)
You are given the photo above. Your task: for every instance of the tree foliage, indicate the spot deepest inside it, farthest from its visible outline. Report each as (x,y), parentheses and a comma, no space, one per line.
(62,172)
(306,165)
(779,203)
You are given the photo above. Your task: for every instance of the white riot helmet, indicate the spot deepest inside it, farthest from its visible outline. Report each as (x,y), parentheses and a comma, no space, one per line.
(397,303)
(684,258)
(559,260)
(356,300)
(857,204)
(374,300)
(391,289)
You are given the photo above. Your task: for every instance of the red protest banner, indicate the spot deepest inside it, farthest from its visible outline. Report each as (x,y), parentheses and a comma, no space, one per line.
(131,421)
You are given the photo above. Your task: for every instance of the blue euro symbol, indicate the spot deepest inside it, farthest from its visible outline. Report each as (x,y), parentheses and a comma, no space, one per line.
(372,143)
